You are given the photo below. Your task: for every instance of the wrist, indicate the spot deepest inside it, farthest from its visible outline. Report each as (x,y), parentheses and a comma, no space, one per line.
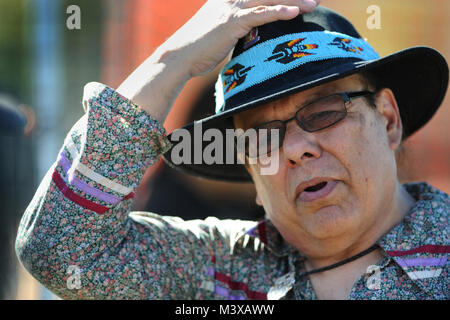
(155,84)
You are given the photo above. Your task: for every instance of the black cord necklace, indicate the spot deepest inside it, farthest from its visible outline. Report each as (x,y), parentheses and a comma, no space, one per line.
(340,263)
(284,286)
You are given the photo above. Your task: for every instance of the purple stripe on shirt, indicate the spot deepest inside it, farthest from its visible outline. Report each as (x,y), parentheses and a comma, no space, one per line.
(252,231)
(422,262)
(233,297)
(225,293)
(83,186)
(221,291)
(210,271)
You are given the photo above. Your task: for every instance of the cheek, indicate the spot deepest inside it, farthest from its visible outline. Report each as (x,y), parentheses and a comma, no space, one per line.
(366,156)
(271,189)
(373,147)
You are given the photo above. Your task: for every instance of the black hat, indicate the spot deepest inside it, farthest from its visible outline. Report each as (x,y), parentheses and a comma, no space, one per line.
(286,57)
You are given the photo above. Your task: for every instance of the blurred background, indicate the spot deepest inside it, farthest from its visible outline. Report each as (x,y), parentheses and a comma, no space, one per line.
(44,64)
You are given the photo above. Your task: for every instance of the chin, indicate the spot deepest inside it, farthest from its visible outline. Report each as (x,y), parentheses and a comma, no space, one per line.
(330,222)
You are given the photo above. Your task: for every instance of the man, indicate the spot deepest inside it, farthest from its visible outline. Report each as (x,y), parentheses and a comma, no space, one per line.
(339,224)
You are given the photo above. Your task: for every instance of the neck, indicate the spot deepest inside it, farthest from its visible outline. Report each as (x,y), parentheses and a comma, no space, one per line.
(337,283)
(395,211)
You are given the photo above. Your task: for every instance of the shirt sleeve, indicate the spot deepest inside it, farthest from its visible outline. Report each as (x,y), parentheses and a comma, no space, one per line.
(78,236)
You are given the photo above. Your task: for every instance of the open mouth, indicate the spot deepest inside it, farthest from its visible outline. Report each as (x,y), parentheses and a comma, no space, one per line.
(318,191)
(316,187)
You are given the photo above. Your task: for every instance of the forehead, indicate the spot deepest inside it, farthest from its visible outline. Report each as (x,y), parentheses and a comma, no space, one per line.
(286,106)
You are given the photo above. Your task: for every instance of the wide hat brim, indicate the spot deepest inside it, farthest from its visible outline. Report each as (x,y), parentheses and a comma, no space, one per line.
(418,76)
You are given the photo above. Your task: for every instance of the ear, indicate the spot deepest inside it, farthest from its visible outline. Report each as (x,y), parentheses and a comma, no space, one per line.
(388,108)
(250,171)
(258,201)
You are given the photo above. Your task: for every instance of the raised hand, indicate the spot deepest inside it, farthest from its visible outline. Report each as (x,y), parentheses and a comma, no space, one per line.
(212,32)
(199,46)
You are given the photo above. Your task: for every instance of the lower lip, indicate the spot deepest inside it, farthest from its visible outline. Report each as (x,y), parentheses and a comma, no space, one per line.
(322,193)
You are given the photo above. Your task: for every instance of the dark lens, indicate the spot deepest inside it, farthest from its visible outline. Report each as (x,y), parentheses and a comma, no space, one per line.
(322,113)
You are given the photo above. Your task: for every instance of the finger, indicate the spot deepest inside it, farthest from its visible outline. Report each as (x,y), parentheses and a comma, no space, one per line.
(304,5)
(256,16)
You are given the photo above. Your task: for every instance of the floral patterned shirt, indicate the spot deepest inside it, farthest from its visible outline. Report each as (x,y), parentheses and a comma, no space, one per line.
(79,238)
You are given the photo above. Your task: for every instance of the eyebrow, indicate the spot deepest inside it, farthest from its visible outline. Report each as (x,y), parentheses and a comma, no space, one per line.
(314,96)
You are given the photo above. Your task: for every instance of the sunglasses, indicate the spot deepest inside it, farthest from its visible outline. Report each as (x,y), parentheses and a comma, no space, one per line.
(314,116)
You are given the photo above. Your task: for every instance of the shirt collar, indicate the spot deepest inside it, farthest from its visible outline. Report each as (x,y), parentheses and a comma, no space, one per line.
(419,244)
(271,238)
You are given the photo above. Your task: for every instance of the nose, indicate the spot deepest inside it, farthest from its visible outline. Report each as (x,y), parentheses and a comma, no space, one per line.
(299,146)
